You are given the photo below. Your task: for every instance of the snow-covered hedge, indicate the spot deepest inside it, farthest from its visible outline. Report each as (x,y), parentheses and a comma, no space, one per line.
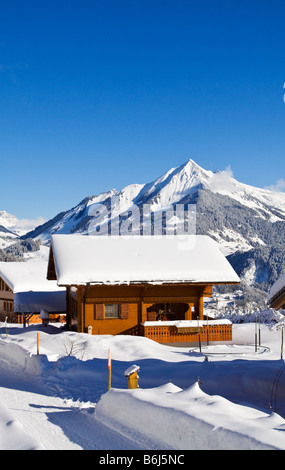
(266,316)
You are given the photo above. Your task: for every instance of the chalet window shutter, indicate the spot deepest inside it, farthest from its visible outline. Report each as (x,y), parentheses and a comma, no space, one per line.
(99,311)
(124,311)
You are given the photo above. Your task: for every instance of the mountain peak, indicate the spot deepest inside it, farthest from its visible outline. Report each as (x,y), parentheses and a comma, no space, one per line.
(7,220)
(191,164)
(190,167)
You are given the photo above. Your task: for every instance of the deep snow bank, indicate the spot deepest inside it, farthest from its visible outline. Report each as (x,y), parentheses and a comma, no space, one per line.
(189,419)
(14,355)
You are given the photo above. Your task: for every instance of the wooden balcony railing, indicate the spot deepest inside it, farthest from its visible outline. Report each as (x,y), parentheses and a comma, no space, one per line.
(188,331)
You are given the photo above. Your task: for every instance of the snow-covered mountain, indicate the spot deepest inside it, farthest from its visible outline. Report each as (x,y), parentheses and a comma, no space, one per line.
(248,222)
(17,227)
(12,247)
(7,221)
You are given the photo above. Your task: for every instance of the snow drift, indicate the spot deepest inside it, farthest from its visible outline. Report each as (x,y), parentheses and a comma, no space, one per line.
(189,419)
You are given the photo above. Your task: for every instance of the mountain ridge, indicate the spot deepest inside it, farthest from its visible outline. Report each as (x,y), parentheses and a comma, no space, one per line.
(247,222)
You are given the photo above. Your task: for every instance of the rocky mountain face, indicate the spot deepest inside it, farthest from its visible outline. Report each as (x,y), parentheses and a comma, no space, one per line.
(247,222)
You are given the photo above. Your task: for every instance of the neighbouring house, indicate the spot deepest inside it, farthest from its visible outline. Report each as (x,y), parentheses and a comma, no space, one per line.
(152,286)
(276,298)
(25,292)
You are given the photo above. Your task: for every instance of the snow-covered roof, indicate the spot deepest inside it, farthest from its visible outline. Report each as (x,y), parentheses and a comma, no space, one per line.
(32,290)
(277,289)
(139,259)
(27,276)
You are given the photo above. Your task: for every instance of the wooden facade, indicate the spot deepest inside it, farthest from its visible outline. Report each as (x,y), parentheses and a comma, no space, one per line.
(7,303)
(279,301)
(123,309)
(150,311)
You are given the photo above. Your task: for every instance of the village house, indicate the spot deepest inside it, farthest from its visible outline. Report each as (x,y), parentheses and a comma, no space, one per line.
(26,294)
(276,297)
(141,285)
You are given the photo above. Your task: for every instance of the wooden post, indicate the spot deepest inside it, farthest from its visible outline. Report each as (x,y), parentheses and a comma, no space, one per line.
(132,375)
(199,336)
(201,307)
(133,380)
(282,342)
(109,369)
(255,335)
(207,331)
(80,308)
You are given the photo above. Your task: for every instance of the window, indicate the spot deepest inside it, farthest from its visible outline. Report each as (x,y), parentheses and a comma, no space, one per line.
(102,311)
(8,306)
(111,310)
(4,286)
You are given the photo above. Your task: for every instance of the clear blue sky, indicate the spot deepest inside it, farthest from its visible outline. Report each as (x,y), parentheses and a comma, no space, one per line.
(98,94)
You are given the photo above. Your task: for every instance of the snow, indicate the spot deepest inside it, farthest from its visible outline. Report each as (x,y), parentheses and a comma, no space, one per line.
(19,226)
(186,323)
(219,422)
(258,199)
(36,256)
(153,259)
(277,287)
(25,276)
(218,398)
(230,241)
(32,290)
(176,184)
(131,370)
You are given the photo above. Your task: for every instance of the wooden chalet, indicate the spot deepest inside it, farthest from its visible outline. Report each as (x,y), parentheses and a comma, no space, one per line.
(25,293)
(152,286)
(277,294)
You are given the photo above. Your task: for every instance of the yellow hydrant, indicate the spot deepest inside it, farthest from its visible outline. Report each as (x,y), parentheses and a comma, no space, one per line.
(132,375)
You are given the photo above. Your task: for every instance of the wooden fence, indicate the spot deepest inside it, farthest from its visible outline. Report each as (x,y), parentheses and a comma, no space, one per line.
(192,334)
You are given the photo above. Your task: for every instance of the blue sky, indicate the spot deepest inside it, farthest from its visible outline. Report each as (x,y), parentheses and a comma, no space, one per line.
(96,95)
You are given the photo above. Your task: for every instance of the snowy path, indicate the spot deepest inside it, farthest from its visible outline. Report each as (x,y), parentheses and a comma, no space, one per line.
(51,422)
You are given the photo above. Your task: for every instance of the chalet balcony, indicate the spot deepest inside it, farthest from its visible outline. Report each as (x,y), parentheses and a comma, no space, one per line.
(188,331)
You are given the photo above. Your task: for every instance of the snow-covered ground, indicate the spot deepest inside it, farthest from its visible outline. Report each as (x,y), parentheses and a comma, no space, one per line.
(227,396)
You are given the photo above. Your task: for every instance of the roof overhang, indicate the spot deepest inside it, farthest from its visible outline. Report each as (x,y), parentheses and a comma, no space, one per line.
(278,301)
